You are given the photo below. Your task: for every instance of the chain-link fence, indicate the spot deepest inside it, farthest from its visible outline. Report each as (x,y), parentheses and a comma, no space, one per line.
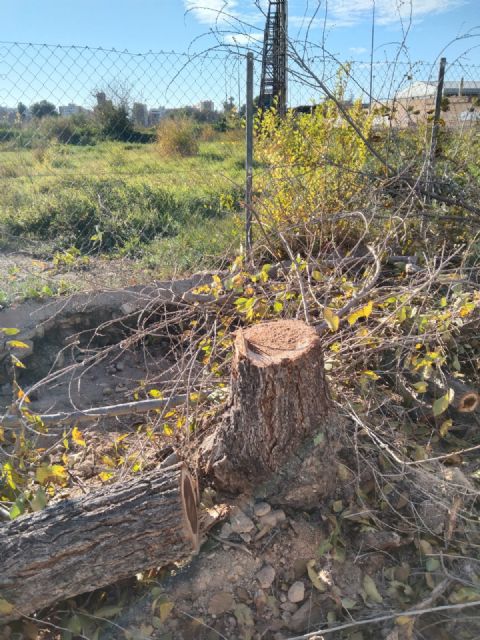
(142,156)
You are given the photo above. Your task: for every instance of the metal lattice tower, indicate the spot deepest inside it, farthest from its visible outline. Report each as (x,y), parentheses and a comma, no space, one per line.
(274,63)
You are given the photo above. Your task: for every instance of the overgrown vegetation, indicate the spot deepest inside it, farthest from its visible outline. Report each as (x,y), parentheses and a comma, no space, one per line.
(383,261)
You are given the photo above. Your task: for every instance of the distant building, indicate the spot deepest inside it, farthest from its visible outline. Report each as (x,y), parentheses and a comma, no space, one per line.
(428,89)
(155,115)
(140,114)
(8,115)
(70,110)
(206,106)
(101,99)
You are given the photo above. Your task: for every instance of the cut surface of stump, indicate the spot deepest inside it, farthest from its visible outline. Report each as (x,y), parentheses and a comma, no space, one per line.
(279,405)
(83,544)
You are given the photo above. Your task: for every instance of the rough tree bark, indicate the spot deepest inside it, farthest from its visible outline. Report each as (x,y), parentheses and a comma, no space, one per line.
(280,427)
(83,544)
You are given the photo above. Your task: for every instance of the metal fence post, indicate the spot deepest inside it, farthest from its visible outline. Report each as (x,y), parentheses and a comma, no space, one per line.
(249,157)
(436,120)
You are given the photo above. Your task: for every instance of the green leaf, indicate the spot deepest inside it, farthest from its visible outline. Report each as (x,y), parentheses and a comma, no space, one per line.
(441,404)
(278,306)
(5,607)
(16,509)
(371,590)
(40,500)
(432,564)
(421,386)
(348,603)
(465,594)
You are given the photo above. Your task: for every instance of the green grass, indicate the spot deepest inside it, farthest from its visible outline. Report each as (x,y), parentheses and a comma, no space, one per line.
(124,198)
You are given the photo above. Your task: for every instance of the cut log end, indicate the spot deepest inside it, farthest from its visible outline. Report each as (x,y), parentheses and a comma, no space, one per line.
(271,342)
(468,402)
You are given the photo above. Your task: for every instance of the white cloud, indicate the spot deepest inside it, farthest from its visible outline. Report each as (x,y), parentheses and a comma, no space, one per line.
(350,12)
(243,39)
(358,50)
(212,11)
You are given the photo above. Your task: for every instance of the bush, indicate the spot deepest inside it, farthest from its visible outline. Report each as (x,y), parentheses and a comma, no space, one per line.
(77,130)
(179,137)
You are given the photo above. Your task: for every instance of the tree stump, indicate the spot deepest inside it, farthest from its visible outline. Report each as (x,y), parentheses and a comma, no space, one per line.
(280,424)
(84,544)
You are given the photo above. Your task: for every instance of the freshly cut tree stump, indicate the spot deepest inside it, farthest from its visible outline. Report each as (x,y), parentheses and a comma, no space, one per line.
(280,414)
(84,544)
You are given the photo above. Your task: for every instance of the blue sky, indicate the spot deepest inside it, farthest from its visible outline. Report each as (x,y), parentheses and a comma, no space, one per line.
(342,26)
(140,25)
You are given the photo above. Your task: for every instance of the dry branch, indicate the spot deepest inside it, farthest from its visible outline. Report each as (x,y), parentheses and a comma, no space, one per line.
(90,415)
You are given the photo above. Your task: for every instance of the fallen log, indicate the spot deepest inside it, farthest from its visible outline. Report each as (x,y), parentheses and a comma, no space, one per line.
(465,399)
(279,428)
(83,544)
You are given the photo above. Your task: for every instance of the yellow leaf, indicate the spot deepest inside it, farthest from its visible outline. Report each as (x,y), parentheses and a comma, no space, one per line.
(105,476)
(441,404)
(17,344)
(371,374)
(9,332)
(5,607)
(2,435)
(403,620)
(316,275)
(364,312)
(421,386)
(53,473)
(77,437)
(445,427)
(107,460)
(168,431)
(165,609)
(22,396)
(332,320)
(316,577)
(194,397)
(18,363)
(155,393)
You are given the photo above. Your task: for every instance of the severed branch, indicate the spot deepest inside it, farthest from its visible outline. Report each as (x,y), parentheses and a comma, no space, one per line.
(90,415)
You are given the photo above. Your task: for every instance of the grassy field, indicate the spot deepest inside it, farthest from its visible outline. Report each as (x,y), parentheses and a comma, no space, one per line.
(123,199)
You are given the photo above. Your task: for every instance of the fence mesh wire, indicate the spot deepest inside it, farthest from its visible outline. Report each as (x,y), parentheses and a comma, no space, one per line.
(141,156)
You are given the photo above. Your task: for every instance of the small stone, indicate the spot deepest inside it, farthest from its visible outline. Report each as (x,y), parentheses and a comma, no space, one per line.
(246,537)
(261,509)
(260,600)
(220,603)
(241,523)
(120,366)
(273,518)
(266,576)
(296,593)
(291,607)
(107,391)
(226,531)
(283,597)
